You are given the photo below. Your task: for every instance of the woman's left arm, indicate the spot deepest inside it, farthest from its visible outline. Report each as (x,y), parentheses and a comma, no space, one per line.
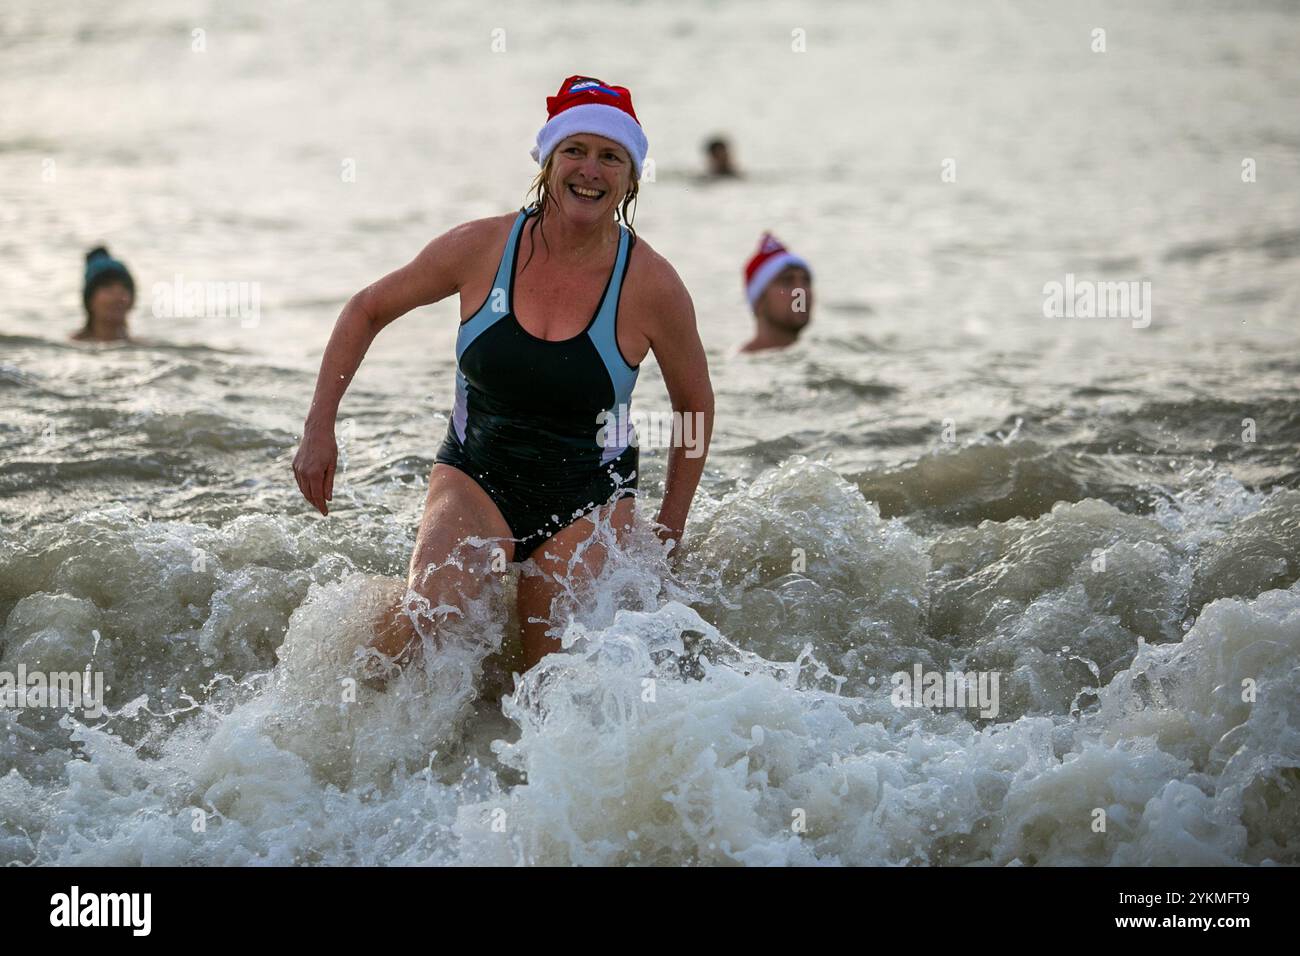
(675,341)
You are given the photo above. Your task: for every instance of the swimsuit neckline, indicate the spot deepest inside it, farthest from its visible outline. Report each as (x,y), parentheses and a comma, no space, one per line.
(510,301)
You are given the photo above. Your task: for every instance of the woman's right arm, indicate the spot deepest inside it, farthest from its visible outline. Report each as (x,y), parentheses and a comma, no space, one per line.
(432,275)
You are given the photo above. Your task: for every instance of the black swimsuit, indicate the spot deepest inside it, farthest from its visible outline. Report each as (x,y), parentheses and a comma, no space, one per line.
(543,426)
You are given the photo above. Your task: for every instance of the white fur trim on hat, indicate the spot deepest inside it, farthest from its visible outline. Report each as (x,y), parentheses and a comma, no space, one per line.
(768,271)
(608,121)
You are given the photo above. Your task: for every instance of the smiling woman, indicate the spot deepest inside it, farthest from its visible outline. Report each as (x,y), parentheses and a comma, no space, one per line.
(615,176)
(545,354)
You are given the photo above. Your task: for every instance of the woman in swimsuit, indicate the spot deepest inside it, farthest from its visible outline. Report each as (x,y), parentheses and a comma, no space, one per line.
(559,303)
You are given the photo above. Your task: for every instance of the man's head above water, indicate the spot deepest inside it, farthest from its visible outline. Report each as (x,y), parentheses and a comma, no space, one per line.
(779,287)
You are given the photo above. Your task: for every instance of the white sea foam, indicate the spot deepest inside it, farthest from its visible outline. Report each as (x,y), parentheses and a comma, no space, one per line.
(661,736)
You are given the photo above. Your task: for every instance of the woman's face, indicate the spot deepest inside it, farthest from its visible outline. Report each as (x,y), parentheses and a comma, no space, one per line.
(590,175)
(109,304)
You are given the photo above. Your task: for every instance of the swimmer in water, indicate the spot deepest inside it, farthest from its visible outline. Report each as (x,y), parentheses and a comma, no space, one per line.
(778,285)
(108,294)
(718,153)
(560,303)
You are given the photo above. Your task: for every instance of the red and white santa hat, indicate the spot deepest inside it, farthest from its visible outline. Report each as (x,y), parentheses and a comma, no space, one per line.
(587,105)
(766,264)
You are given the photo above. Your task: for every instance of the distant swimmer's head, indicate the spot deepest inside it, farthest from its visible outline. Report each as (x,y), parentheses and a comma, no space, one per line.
(108,293)
(592,151)
(778,285)
(718,151)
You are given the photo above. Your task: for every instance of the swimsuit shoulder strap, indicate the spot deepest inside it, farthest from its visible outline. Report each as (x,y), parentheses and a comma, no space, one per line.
(604,329)
(500,299)
(505,280)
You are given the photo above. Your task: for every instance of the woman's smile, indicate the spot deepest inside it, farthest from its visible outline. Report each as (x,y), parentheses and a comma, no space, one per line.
(586,193)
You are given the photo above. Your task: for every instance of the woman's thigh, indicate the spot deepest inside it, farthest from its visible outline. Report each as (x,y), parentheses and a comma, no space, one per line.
(557,572)
(447,568)
(456,508)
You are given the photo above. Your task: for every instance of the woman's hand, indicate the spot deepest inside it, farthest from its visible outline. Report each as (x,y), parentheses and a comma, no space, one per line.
(314,465)
(669,537)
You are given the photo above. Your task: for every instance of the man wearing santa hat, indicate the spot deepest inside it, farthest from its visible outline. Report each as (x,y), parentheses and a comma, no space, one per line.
(778,285)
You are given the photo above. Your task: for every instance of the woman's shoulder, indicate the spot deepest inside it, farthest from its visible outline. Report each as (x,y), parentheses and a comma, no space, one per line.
(651,275)
(466,245)
(646,266)
(478,231)
(655,295)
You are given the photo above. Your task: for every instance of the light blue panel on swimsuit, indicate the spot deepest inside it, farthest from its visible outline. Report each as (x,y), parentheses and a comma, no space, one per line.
(604,331)
(604,335)
(460,410)
(497,306)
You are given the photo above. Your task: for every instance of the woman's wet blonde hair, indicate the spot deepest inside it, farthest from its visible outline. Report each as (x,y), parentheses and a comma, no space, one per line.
(541,197)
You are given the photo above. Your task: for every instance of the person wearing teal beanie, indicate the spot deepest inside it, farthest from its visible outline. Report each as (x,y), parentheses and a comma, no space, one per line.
(108,293)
